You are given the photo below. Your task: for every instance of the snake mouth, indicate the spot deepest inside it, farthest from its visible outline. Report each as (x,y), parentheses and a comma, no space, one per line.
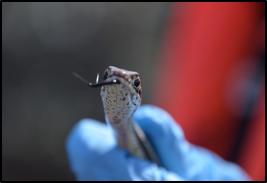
(114,81)
(123,82)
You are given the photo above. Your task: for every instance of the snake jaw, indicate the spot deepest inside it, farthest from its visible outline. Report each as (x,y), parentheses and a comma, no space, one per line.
(132,93)
(119,101)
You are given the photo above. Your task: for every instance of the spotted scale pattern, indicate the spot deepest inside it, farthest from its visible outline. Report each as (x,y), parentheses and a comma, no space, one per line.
(120,101)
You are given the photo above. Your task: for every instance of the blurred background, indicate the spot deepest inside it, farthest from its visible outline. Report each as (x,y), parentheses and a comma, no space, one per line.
(202,62)
(43,43)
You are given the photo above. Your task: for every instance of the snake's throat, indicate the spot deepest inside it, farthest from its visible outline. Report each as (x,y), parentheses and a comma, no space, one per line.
(117,104)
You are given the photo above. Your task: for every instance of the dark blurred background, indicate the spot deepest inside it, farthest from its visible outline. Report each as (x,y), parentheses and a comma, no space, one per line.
(42,44)
(204,63)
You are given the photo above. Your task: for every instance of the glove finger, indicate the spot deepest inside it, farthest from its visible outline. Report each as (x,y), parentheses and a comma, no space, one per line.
(88,146)
(179,156)
(165,135)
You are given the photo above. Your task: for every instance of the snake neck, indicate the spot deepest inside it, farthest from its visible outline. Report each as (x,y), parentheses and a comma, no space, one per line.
(124,132)
(125,135)
(127,138)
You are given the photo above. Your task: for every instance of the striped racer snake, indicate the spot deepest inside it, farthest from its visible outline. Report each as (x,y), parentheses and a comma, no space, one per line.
(121,94)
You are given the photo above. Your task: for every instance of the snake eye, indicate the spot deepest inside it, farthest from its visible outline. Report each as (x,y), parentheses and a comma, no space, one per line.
(105,75)
(137,83)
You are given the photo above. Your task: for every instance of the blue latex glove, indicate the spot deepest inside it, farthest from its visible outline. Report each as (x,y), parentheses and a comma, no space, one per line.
(94,155)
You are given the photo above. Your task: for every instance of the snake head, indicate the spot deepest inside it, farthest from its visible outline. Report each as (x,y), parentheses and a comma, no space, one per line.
(122,99)
(121,92)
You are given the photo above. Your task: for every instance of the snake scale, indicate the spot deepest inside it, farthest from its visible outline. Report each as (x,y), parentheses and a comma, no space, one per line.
(121,94)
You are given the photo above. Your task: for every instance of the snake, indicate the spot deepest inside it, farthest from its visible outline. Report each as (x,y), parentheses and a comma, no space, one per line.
(121,94)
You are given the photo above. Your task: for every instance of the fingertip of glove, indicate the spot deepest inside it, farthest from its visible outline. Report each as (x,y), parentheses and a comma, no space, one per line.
(88,139)
(152,118)
(153,112)
(164,134)
(90,132)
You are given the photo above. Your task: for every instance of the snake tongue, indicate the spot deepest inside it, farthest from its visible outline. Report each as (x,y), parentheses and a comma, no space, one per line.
(114,81)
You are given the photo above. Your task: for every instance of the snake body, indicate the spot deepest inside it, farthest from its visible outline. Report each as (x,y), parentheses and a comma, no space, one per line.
(121,94)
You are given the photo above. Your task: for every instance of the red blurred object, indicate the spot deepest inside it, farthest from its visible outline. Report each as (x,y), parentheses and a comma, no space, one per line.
(200,85)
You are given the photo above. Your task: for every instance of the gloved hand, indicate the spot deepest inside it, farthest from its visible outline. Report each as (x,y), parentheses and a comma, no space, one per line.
(94,155)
